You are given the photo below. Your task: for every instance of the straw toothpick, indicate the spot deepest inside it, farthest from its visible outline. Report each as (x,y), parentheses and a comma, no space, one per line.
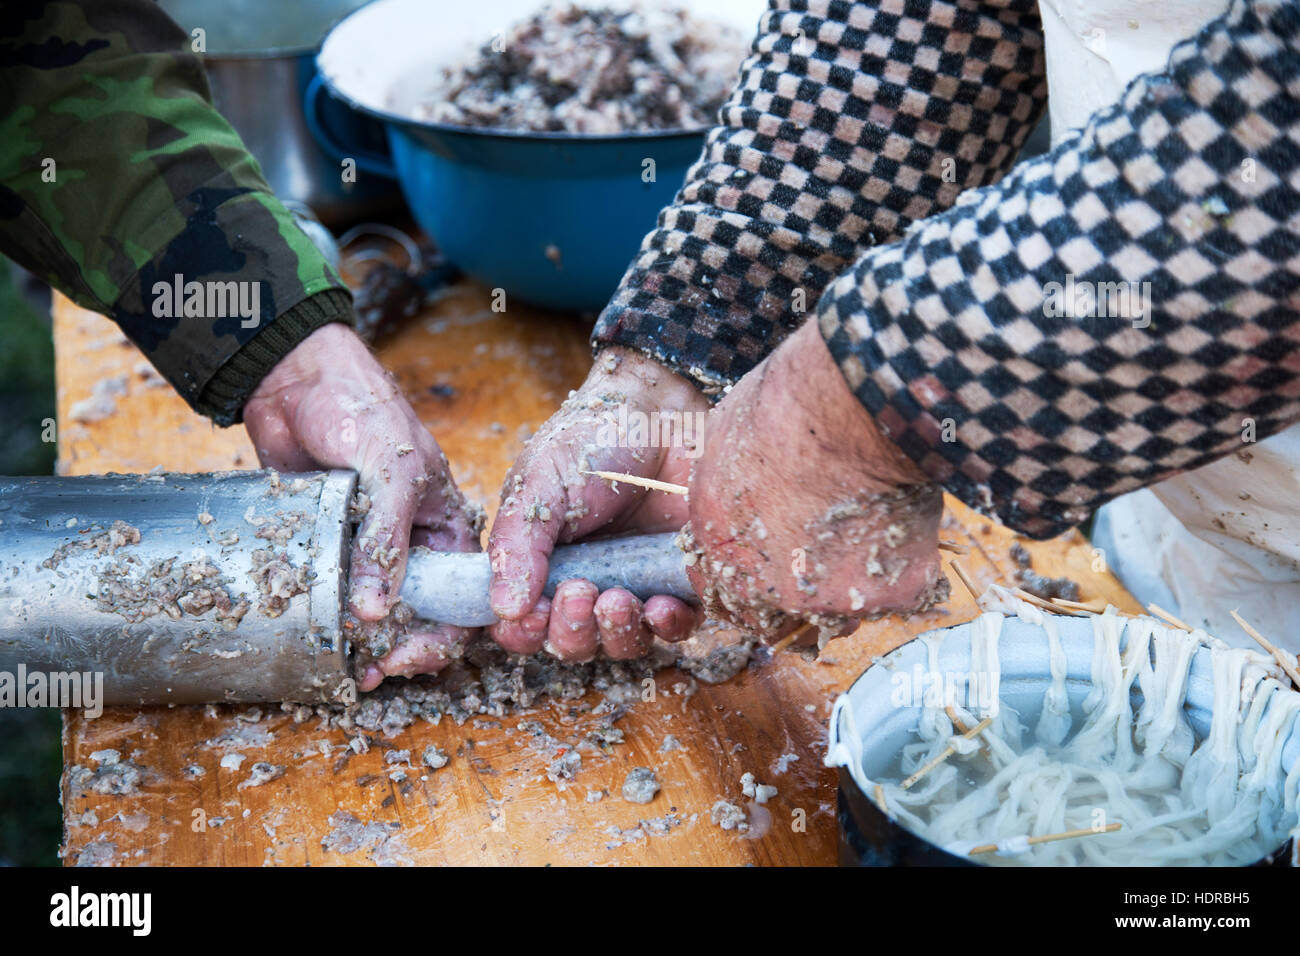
(965,579)
(793,636)
(1092,607)
(1035,600)
(947,752)
(954,547)
(667,487)
(1287,662)
(956,721)
(961,727)
(1051,837)
(1164,615)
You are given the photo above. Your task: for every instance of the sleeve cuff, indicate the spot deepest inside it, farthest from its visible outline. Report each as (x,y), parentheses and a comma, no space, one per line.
(224,396)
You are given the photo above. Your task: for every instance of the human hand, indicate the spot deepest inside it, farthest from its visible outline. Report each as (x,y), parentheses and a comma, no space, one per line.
(329,404)
(547,499)
(801,509)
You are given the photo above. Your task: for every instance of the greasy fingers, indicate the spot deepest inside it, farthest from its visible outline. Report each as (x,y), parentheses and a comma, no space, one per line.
(424,652)
(305,416)
(408,484)
(524,533)
(526,635)
(572,634)
(623,633)
(670,619)
(551,496)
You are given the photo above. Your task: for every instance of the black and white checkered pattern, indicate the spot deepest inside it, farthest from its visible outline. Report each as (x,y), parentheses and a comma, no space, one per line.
(1191,183)
(851,121)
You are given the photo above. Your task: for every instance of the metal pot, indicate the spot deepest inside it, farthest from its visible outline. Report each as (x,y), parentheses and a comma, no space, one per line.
(57,575)
(869,837)
(260,60)
(552,217)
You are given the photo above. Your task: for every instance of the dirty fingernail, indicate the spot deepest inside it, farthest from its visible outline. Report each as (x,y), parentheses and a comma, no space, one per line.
(573,610)
(369,598)
(371,679)
(509,599)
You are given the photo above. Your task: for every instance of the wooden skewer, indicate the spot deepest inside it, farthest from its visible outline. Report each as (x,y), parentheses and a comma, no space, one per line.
(790,638)
(961,727)
(653,484)
(956,721)
(1035,600)
(880,799)
(1051,837)
(1093,607)
(1160,612)
(1279,655)
(947,752)
(965,579)
(953,547)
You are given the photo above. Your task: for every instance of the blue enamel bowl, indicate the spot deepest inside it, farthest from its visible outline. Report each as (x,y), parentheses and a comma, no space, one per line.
(553,218)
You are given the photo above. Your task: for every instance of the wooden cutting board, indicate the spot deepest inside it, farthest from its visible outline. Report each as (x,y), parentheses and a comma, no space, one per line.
(482,382)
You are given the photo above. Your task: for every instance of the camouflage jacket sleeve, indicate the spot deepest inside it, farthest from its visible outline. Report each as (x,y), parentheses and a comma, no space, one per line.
(851,121)
(123,187)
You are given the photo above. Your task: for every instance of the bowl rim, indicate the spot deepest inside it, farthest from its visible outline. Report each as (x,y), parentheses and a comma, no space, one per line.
(552,136)
(492,132)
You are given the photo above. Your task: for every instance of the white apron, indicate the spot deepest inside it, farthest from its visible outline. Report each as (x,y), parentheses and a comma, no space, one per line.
(1227,535)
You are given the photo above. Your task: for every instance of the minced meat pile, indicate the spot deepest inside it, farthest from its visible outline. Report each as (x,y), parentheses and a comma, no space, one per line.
(598,70)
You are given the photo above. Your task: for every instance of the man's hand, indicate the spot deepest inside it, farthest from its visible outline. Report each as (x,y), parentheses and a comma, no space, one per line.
(801,509)
(547,499)
(329,404)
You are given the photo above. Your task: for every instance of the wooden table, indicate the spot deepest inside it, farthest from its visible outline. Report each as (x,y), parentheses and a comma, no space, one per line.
(481,381)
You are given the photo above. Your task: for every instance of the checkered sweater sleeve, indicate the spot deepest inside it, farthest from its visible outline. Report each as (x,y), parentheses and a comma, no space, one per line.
(851,120)
(1008,344)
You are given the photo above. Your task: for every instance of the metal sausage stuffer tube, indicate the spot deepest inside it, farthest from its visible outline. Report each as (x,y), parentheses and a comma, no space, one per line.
(229,586)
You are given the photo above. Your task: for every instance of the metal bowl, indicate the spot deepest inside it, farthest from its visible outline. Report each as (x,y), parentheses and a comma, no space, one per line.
(554,218)
(261,64)
(868,711)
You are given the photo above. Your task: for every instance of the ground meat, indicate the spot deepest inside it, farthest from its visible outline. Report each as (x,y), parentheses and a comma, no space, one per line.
(729,816)
(113,776)
(98,853)
(281,528)
(720,664)
(641,785)
(278,580)
(758,792)
(595,70)
(564,767)
(119,535)
(485,680)
(349,835)
(605,735)
(261,773)
(1038,584)
(137,592)
(434,758)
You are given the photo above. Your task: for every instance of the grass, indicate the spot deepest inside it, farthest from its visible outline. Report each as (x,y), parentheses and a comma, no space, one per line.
(30,755)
